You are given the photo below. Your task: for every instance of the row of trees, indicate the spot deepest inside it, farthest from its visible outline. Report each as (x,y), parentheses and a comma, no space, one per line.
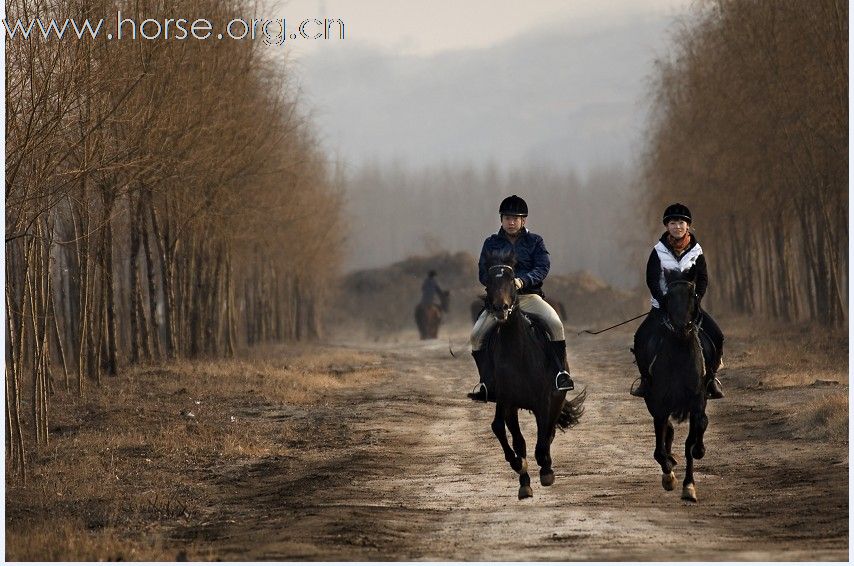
(750,129)
(163,199)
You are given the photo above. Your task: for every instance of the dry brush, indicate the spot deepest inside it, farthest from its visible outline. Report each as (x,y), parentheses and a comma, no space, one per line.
(164,199)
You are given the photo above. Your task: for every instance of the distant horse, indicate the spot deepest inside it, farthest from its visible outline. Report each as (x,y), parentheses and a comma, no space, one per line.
(524,370)
(479,304)
(677,388)
(429,317)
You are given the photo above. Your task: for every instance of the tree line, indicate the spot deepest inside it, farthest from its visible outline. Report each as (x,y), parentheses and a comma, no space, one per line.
(164,199)
(750,129)
(589,222)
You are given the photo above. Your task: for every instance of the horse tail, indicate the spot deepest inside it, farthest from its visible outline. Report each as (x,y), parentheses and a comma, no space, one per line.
(571,411)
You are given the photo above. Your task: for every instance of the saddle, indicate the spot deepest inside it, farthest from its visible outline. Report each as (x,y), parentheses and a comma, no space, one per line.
(653,345)
(537,326)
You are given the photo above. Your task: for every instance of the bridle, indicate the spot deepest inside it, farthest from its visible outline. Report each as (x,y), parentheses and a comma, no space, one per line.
(499,272)
(694,325)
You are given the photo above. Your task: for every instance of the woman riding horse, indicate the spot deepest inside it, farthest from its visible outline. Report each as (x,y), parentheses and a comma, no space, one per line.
(676,250)
(531,267)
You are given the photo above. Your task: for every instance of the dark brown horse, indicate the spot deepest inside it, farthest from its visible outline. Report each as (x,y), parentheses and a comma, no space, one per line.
(428,317)
(524,371)
(677,385)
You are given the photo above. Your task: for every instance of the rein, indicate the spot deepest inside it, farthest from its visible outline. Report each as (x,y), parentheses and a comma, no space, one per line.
(615,326)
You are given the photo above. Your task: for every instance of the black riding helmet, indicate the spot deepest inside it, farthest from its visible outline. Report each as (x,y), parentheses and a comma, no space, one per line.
(513,206)
(677,210)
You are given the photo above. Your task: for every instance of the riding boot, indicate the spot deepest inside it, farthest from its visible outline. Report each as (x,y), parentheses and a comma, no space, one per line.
(642,387)
(485,390)
(713,388)
(563,382)
(713,384)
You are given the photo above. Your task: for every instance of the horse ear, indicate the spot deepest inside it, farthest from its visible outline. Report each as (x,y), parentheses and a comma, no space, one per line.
(669,275)
(511,259)
(691,274)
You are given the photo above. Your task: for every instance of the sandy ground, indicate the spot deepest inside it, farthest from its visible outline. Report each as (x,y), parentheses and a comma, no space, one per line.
(409,470)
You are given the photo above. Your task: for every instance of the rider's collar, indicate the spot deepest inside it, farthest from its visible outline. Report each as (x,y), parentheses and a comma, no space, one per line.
(503,232)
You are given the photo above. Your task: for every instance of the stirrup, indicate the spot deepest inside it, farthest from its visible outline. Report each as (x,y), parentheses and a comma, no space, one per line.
(569,387)
(718,393)
(477,391)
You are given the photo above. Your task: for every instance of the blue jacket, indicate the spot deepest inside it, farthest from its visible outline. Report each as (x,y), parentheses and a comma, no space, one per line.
(532,258)
(429,291)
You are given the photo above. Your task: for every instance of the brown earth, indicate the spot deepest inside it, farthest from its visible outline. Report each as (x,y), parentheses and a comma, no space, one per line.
(371,452)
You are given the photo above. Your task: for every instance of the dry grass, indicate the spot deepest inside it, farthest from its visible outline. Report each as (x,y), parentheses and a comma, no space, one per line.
(132,459)
(786,355)
(825,418)
(56,541)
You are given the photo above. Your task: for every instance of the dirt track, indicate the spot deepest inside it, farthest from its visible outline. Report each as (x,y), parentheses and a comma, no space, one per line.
(409,470)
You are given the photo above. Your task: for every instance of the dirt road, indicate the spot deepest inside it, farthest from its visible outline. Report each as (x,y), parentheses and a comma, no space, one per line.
(409,470)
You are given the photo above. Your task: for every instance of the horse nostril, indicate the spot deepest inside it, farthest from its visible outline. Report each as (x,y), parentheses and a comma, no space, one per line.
(506,307)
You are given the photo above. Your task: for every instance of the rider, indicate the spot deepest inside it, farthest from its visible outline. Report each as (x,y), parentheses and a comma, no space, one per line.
(532,266)
(430,289)
(677,249)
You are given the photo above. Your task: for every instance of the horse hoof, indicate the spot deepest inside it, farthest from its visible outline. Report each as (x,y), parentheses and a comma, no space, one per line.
(547,478)
(698,451)
(525,492)
(689,493)
(668,481)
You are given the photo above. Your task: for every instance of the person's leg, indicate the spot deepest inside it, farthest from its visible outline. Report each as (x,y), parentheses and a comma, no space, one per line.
(536,306)
(713,331)
(643,335)
(485,390)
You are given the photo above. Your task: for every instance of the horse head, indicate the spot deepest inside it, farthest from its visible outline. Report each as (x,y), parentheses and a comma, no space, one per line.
(681,304)
(501,295)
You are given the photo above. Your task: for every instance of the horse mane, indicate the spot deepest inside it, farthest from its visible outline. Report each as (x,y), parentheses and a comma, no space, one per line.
(498,258)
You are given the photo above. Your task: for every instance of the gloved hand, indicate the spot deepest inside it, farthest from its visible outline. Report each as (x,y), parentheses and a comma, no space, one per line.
(518,282)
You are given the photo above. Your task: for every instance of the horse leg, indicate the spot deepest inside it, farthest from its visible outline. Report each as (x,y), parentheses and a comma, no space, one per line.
(699,449)
(512,419)
(520,464)
(668,443)
(668,478)
(543,450)
(498,428)
(501,434)
(435,320)
(694,448)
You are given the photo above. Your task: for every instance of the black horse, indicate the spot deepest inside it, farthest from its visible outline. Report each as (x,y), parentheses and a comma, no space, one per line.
(677,388)
(524,371)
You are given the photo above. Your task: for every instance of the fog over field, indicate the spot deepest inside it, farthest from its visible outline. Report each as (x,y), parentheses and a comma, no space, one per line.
(554,113)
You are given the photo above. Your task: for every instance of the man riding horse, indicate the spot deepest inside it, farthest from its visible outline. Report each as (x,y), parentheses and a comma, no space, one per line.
(430,290)
(531,267)
(677,250)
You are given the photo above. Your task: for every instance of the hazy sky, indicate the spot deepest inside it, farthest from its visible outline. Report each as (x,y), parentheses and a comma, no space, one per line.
(419,83)
(419,27)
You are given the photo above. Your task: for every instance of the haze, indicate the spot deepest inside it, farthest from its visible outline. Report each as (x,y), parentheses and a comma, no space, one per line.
(477,84)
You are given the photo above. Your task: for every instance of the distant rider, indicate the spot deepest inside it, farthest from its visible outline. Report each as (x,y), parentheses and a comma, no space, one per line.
(430,290)
(532,266)
(679,250)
